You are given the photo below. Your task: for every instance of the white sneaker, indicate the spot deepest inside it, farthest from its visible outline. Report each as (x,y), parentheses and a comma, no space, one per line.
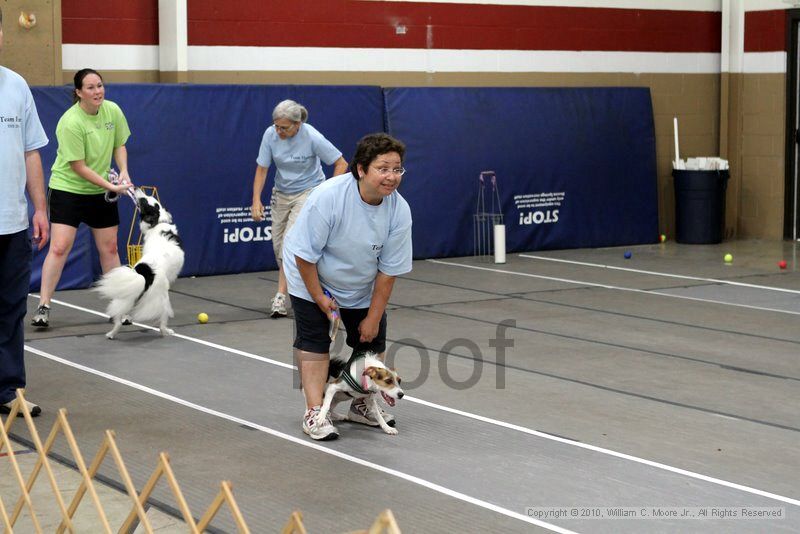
(324,431)
(360,412)
(33,409)
(278,306)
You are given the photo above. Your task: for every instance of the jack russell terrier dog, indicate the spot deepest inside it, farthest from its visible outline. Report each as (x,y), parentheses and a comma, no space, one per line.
(363,375)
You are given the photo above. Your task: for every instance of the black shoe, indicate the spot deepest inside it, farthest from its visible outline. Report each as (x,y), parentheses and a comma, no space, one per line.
(42,317)
(33,408)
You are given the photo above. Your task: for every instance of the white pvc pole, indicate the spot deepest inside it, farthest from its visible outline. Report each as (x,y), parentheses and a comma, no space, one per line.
(499,243)
(677,149)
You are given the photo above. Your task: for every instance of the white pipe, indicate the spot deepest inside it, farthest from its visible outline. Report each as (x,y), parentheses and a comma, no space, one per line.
(499,243)
(677,149)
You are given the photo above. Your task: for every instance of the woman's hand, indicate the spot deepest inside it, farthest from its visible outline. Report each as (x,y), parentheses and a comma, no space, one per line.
(119,188)
(124,178)
(257,210)
(327,305)
(41,229)
(368,328)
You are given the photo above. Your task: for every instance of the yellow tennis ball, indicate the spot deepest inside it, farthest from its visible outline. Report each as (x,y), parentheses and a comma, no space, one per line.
(202,317)
(728,258)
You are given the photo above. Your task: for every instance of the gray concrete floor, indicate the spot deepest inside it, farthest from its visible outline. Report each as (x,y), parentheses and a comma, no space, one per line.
(666,381)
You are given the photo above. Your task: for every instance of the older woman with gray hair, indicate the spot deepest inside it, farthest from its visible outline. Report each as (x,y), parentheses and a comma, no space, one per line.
(297,149)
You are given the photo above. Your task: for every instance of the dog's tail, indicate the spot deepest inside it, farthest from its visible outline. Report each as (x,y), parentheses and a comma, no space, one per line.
(335,367)
(122,286)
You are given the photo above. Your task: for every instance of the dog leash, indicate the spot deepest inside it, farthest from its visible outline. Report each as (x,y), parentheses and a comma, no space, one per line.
(111,196)
(333,328)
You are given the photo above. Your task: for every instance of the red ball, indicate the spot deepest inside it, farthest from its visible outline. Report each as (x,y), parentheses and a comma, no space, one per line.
(782,264)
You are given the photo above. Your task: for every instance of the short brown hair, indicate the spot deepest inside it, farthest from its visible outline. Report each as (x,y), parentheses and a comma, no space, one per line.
(373,145)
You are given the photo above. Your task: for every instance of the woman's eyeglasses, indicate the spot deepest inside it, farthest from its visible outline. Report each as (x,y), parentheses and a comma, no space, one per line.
(385,171)
(283,129)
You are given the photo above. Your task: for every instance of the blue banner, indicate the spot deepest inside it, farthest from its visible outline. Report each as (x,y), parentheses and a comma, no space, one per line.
(198,145)
(575,167)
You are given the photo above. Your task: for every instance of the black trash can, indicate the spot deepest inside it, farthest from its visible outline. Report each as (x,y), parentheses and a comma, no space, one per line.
(700,206)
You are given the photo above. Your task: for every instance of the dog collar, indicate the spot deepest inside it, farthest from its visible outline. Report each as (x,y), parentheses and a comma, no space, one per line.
(352,382)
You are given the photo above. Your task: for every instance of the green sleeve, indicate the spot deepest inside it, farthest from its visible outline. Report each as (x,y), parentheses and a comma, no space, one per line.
(71,143)
(122,131)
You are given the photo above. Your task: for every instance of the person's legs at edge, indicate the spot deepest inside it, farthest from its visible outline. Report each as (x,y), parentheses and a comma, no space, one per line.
(279,210)
(15,276)
(312,355)
(62,237)
(106,241)
(313,369)
(282,286)
(313,375)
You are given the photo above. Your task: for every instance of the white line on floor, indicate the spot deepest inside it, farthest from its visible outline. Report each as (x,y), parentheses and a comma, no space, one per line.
(668,275)
(304,442)
(441,407)
(609,452)
(195,340)
(607,286)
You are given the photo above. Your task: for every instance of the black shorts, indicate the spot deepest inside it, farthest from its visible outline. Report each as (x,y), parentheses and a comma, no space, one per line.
(73,209)
(312,325)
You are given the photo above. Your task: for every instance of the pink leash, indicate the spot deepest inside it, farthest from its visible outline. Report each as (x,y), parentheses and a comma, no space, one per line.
(113,177)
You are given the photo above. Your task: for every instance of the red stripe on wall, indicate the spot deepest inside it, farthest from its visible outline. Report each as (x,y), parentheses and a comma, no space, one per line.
(765,31)
(371,24)
(109,22)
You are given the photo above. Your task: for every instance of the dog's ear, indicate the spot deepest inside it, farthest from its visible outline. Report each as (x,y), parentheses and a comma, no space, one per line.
(371,372)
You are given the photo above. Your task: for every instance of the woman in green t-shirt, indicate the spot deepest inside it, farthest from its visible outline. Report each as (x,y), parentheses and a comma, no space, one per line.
(89,133)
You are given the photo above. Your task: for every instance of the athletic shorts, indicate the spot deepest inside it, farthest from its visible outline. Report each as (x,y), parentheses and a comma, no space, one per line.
(312,326)
(73,209)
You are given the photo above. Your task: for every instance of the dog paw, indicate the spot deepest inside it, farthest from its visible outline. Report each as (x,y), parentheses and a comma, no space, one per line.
(167,332)
(391,431)
(110,335)
(337,417)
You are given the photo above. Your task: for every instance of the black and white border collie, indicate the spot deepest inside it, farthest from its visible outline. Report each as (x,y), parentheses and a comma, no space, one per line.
(143,290)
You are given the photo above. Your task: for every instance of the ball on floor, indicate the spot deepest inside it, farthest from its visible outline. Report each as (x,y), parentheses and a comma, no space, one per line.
(782,264)
(728,258)
(628,254)
(202,318)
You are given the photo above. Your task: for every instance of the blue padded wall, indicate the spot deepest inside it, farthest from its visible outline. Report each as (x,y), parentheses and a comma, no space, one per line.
(575,166)
(198,144)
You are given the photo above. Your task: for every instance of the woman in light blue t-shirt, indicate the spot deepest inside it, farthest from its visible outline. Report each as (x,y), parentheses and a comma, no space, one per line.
(297,150)
(351,241)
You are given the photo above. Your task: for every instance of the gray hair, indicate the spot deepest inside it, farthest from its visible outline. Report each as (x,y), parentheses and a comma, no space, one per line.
(291,110)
